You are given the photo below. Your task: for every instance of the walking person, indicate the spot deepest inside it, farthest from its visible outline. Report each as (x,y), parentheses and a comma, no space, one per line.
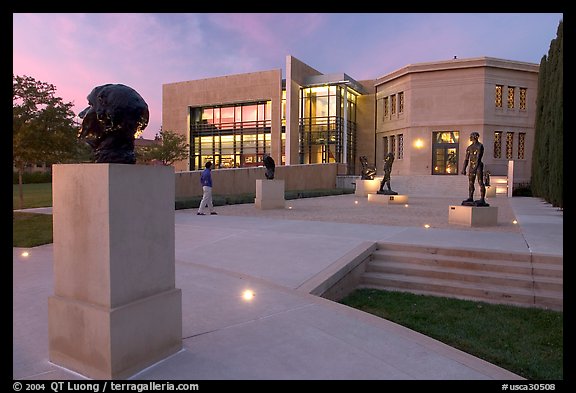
(206,181)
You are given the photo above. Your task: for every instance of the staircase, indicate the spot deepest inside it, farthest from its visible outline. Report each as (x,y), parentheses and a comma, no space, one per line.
(519,279)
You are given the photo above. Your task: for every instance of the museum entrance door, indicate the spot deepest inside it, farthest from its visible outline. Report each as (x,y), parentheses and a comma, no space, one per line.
(445,152)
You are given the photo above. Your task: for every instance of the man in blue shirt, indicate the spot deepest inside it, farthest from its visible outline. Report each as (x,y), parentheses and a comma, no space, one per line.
(206,181)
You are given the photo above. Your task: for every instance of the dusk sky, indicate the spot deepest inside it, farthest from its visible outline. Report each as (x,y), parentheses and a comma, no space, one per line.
(77,52)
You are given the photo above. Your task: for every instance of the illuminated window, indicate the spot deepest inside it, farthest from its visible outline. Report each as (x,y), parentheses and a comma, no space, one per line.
(393,104)
(521,145)
(400,146)
(497,144)
(498,100)
(401,102)
(386,113)
(509,141)
(230,135)
(511,90)
(523,98)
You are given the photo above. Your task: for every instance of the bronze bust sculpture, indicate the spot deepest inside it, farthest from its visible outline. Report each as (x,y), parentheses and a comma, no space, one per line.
(270,167)
(474,154)
(116,113)
(368,173)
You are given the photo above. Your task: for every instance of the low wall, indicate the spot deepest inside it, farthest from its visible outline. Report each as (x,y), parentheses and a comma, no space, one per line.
(235,181)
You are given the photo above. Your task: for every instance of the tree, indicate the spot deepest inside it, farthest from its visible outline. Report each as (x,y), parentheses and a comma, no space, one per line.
(43,128)
(547,156)
(172,147)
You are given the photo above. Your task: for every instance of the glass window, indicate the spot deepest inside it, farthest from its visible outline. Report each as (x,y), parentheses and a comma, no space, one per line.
(385,108)
(208,115)
(393,104)
(511,90)
(523,98)
(498,100)
(509,141)
(401,102)
(521,145)
(497,144)
(400,146)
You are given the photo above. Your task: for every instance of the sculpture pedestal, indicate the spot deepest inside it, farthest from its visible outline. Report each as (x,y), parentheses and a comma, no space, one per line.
(473,216)
(365,187)
(115,308)
(385,199)
(490,192)
(270,194)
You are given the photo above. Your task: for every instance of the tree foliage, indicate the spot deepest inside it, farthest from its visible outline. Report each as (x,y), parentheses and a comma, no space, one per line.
(171,147)
(547,156)
(43,128)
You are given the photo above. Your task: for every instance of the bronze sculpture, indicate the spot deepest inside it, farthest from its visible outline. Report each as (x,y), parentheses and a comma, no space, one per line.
(270,167)
(116,113)
(367,173)
(474,154)
(388,161)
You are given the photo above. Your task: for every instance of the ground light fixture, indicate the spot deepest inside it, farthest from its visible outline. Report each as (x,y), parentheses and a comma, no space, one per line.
(248,295)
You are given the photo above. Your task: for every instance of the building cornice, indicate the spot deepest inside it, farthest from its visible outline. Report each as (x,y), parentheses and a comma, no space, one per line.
(458,64)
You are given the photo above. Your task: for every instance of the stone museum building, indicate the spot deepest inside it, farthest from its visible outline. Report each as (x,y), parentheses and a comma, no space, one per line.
(423,113)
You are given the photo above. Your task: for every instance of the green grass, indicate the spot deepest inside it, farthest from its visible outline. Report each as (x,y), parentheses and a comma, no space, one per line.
(525,341)
(31,229)
(35,195)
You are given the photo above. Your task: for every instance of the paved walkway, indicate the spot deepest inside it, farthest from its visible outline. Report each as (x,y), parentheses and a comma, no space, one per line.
(283,333)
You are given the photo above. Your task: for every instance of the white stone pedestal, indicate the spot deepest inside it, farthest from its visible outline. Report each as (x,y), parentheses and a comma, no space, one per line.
(490,192)
(115,308)
(473,216)
(270,194)
(384,199)
(365,187)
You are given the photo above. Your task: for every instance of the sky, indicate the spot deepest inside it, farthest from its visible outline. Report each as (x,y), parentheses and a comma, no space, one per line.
(77,52)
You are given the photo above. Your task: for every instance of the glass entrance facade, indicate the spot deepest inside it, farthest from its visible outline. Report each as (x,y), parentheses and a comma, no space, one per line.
(230,136)
(445,152)
(327,127)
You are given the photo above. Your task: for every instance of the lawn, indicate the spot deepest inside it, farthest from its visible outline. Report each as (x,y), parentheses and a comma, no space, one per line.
(526,341)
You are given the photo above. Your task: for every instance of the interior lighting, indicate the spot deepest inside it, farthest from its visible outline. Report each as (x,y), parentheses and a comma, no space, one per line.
(248,295)
(419,143)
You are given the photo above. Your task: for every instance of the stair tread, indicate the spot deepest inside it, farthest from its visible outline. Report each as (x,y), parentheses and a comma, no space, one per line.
(478,273)
(384,253)
(461,284)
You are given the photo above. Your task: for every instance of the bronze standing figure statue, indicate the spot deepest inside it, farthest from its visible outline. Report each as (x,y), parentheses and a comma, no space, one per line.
(474,154)
(388,161)
(116,113)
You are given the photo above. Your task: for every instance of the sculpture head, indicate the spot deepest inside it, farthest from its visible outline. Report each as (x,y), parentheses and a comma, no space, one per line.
(270,167)
(109,124)
(474,136)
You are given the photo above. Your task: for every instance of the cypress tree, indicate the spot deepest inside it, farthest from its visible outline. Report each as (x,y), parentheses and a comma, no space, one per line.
(547,156)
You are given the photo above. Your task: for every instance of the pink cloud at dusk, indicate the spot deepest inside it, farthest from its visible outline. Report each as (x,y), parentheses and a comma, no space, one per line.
(77,52)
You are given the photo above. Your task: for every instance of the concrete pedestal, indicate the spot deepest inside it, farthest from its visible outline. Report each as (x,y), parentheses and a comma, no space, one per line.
(473,216)
(365,187)
(270,194)
(115,308)
(384,199)
(490,192)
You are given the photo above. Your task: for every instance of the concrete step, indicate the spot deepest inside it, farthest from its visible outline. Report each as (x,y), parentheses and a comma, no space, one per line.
(480,261)
(464,274)
(463,290)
